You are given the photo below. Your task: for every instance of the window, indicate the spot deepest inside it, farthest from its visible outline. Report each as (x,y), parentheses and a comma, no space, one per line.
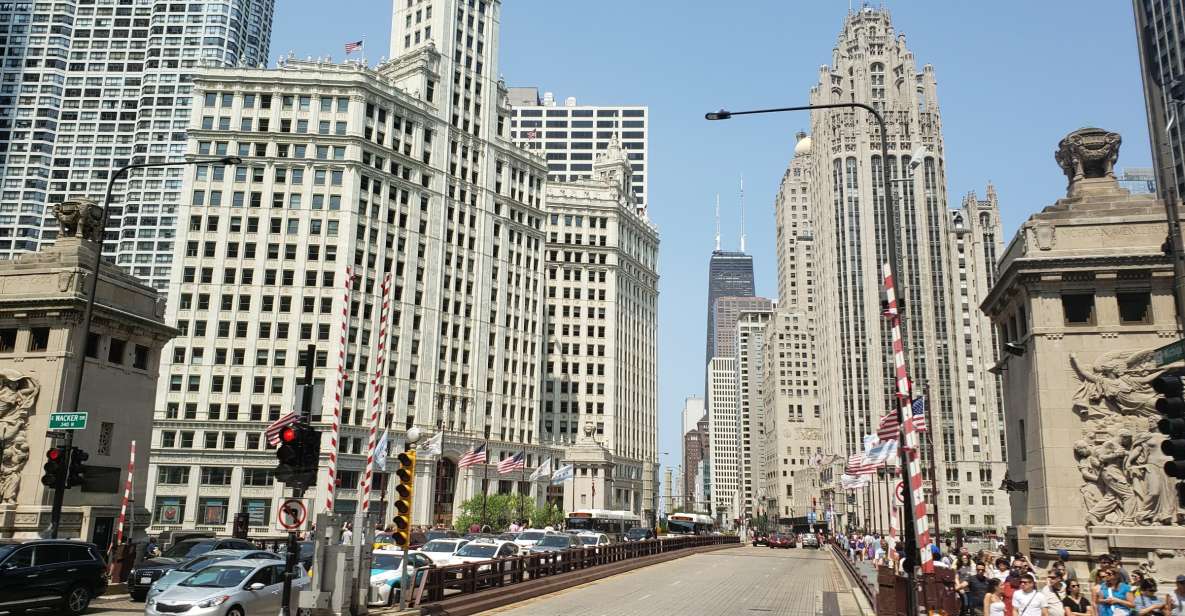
(1135,307)
(173,475)
(140,359)
(258,511)
(38,339)
(212,510)
(258,477)
(8,341)
(1078,308)
(168,510)
(216,475)
(115,351)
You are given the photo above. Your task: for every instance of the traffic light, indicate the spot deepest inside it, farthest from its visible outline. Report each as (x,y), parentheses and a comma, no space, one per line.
(298,455)
(406,473)
(1171,406)
(75,474)
(55,467)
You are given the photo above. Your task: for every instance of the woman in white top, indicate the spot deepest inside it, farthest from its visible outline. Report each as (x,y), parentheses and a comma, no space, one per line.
(993,601)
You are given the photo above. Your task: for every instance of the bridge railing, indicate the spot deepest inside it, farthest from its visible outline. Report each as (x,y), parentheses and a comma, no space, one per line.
(854,572)
(468,578)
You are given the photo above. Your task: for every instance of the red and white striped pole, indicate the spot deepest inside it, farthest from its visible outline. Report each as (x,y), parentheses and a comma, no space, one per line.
(123,507)
(335,427)
(376,395)
(914,498)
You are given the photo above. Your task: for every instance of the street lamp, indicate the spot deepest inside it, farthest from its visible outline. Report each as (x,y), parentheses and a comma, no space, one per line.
(891,209)
(89,308)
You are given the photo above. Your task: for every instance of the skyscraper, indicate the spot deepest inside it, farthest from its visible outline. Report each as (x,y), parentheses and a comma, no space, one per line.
(728,311)
(1160,30)
(872,64)
(795,236)
(724,438)
(750,354)
(730,274)
(116,85)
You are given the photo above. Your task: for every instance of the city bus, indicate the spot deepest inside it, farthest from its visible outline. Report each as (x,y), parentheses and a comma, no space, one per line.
(690,524)
(613,523)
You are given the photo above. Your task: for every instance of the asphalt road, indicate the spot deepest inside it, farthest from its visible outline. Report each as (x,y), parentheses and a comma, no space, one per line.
(745,581)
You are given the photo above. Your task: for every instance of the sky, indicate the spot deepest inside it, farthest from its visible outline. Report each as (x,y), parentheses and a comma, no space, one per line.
(1014,76)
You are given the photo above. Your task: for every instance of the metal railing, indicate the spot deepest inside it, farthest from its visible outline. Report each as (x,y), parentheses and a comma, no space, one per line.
(862,583)
(453,580)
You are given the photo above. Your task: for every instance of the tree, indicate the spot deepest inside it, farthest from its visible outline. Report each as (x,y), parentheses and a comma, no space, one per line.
(500,510)
(549,514)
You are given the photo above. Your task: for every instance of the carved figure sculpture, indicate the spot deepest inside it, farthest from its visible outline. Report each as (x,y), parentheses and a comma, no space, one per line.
(1120,382)
(1088,153)
(1099,506)
(80,218)
(18,394)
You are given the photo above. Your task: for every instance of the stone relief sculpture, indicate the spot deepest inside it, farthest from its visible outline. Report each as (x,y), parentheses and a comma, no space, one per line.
(79,218)
(1119,456)
(18,394)
(1088,153)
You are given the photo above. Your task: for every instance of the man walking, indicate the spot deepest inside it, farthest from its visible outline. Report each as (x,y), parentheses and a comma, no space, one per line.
(1027,600)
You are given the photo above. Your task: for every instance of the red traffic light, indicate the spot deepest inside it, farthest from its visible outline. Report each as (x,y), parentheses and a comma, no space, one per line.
(53,454)
(288,435)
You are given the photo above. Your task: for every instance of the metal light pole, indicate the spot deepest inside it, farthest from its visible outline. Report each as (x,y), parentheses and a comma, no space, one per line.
(88,314)
(911,499)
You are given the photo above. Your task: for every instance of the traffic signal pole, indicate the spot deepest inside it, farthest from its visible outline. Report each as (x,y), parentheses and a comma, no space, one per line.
(306,417)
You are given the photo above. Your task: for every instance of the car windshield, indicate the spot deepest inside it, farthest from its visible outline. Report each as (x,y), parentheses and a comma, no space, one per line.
(440,546)
(198,564)
(436,534)
(589,539)
(7,549)
(478,550)
(531,535)
(554,541)
(218,576)
(386,562)
(189,549)
(637,532)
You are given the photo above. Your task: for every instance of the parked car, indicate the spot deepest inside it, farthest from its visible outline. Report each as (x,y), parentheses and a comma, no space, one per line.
(60,574)
(229,588)
(531,536)
(481,550)
(386,574)
(760,540)
(592,540)
(187,569)
(810,540)
(442,551)
(781,540)
(438,533)
(148,572)
(305,556)
(557,543)
(638,534)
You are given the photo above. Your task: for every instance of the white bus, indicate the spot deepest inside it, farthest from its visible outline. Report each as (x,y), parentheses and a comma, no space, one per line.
(690,524)
(613,523)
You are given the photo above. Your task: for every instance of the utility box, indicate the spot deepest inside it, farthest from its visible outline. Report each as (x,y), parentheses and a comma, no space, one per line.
(338,571)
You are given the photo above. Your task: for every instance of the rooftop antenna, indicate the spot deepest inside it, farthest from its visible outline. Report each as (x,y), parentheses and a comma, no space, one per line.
(717,222)
(742,212)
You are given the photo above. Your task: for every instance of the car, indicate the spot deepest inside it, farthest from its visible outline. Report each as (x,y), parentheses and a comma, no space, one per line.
(304,556)
(481,550)
(592,540)
(59,574)
(187,569)
(531,536)
(638,534)
(781,540)
(556,543)
(386,574)
(508,536)
(229,588)
(439,533)
(760,540)
(442,551)
(810,540)
(476,536)
(148,572)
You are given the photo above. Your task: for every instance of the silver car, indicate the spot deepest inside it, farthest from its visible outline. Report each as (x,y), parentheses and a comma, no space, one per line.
(229,588)
(171,578)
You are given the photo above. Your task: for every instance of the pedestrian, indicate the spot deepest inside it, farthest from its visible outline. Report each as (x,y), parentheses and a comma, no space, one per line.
(1027,600)
(1115,596)
(151,550)
(1076,603)
(1002,571)
(1148,603)
(347,534)
(1176,599)
(475,528)
(976,587)
(1055,592)
(1063,566)
(993,602)
(1108,561)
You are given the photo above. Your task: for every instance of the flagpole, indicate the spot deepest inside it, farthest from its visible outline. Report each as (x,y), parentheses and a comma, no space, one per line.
(522,497)
(930,448)
(485,478)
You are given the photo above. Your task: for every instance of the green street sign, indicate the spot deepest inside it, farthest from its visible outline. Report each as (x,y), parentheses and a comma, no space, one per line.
(68,421)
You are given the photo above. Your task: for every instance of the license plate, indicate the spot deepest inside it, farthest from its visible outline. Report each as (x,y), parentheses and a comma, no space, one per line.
(145,580)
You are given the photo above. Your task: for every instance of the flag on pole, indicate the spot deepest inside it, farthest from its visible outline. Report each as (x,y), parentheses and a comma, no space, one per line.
(272,432)
(856,466)
(544,470)
(476,455)
(432,446)
(853,482)
(380,452)
(889,427)
(352,47)
(918,414)
(517,462)
(883,451)
(563,473)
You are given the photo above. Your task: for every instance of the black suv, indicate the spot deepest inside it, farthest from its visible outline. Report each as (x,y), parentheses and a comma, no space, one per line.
(638,533)
(50,573)
(142,577)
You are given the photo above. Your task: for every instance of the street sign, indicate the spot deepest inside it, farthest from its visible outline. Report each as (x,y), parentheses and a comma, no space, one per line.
(901,491)
(1169,353)
(292,514)
(68,421)
(55,434)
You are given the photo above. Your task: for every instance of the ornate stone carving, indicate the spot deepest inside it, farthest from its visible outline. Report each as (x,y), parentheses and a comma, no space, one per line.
(1088,153)
(80,218)
(1119,455)
(18,394)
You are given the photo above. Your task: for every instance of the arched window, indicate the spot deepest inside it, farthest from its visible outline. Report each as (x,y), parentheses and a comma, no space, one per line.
(877,80)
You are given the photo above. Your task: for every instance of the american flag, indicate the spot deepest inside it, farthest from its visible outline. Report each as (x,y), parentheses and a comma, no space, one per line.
(273,431)
(476,455)
(889,427)
(856,466)
(352,47)
(918,414)
(517,462)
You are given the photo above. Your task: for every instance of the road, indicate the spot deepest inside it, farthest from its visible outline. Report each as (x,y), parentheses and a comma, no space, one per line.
(746,580)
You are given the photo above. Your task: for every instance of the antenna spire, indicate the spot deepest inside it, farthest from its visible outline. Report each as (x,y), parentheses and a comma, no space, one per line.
(717,222)
(742,212)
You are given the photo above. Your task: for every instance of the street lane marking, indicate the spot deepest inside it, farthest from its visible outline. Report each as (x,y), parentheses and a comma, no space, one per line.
(643,597)
(676,582)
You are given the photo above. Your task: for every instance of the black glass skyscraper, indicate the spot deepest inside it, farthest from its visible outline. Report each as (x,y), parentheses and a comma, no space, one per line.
(730,274)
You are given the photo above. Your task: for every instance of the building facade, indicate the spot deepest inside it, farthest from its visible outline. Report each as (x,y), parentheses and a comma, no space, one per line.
(116,84)
(750,354)
(724,438)
(873,65)
(1160,31)
(693,411)
(730,274)
(572,136)
(601,323)
(795,235)
(728,311)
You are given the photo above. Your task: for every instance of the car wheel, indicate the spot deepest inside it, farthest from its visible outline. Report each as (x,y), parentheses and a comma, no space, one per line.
(77,600)
(138,596)
(235,611)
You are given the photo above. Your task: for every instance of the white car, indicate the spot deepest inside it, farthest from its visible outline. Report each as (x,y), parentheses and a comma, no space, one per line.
(591,540)
(528,538)
(482,550)
(442,551)
(386,574)
(228,588)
